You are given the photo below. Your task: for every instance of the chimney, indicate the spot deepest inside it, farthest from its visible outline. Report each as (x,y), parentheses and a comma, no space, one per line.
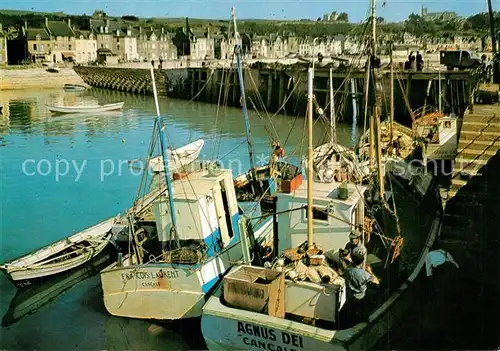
(118,32)
(107,23)
(1,27)
(140,30)
(129,31)
(25,24)
(46,22)
(69,22)
(162,30)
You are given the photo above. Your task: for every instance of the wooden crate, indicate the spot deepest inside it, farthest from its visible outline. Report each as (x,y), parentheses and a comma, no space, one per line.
(288,186)
(254,288)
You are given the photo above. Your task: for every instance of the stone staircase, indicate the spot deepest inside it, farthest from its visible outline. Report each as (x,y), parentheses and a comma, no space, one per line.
(473,194)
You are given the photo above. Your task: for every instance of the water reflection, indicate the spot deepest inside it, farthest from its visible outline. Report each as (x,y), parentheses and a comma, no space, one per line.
(135,334)
(29,300)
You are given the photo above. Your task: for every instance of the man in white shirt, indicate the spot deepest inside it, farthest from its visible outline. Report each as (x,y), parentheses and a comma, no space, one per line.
(436,258)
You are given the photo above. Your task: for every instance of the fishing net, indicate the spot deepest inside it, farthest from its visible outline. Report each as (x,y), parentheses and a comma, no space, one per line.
(184,255)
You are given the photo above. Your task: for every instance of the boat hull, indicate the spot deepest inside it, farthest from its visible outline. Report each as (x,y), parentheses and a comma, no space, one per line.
(70,88)
(227,328)
(28,269)
(85,109)
(179,158)
(167,291)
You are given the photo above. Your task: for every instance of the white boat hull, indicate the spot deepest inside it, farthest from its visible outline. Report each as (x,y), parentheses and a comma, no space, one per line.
(38,264)
(178,158)
(167,291)
(85,109)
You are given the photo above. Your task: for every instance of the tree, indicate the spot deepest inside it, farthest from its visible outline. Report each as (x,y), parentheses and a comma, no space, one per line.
(130,18)
(99,14)
(380,20)
(343,17)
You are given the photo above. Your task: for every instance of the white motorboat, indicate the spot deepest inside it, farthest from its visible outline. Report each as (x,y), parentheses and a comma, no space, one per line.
(85,109)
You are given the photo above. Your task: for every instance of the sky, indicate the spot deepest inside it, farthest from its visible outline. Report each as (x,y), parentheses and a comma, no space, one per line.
(392,10)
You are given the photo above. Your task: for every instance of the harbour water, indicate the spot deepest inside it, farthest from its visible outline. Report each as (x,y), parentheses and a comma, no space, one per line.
(60,174)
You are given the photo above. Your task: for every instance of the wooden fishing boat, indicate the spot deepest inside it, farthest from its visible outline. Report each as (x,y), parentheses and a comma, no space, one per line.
(61,256)
(53,70)
(73,87)
(178,158)
(85,109)
(298,300)
(226,326)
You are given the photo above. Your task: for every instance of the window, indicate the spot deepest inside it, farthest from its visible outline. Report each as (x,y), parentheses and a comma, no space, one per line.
(319,213)
(34,47)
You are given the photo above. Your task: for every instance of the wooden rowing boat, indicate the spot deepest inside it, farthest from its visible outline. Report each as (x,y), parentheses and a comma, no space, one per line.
(85,109)
(61,256)
(73,87)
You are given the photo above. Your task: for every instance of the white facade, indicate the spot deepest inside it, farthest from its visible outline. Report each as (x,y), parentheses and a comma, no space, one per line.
(130,48)
(85,48)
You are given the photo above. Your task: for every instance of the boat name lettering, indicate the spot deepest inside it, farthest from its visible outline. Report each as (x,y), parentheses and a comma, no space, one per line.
(150,275)
(259,332)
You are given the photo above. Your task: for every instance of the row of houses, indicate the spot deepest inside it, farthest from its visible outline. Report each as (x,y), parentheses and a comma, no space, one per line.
(112,41)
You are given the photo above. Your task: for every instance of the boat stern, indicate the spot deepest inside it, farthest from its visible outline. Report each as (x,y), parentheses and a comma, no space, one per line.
(152,292)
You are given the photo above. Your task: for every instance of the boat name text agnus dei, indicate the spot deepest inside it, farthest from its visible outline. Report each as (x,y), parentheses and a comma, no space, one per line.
(268,339)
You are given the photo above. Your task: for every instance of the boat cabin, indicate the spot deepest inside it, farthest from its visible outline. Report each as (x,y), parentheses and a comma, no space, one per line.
(206,211)
(336,206)
(440,133)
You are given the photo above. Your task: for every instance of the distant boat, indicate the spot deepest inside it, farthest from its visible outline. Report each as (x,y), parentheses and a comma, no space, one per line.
(61,256)
(85,109)
(74,87)
(53,70)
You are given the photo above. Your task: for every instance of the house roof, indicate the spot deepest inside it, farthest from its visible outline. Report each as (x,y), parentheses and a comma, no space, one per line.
(31,34)
(112,25)
(59,29)
(79,33)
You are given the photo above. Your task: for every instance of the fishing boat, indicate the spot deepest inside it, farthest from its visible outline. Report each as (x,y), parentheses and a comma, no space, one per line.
(180,244)
(53,70)
(61,256)
(297,300)
(30,299)
(85,109)
(436,134)
(73,87)
(179,157)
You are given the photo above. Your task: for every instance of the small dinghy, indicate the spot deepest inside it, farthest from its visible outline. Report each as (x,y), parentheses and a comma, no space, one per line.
(73,87)
(179,157)
(61,256)
(85,109)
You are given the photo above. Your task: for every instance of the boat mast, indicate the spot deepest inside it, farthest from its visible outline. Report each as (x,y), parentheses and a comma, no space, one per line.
(496,73)
(238,52)
(163,146)
(333,133)
(391,121)
(310,158)
(376,117)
